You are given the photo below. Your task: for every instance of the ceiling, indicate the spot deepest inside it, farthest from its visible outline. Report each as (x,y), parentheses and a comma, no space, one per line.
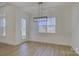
(2,4)
(33,7)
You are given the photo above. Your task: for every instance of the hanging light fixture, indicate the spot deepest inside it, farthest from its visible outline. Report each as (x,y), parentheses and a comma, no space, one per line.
(40,8)
(40,4)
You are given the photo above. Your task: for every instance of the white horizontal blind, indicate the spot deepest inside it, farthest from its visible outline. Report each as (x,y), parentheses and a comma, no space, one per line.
(2,26)
(47,25)
(51,24)
(23,27)
(42,24)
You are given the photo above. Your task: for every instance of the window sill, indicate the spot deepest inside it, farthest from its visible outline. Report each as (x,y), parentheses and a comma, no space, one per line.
(48,32)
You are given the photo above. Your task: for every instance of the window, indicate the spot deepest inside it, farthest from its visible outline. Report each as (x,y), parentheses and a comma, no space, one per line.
(2,26)
(23,26)
(47,25)
(51,24)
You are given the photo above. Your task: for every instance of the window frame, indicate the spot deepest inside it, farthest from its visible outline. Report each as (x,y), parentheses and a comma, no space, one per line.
(46,26)
(22,27)
(4,26)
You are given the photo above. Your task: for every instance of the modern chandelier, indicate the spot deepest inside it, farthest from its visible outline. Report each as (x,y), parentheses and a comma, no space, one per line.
(40,5)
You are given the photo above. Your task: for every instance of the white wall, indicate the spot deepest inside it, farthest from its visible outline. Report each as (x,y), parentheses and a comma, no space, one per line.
(12,14)
(75,27)
(63,27)
(10,17)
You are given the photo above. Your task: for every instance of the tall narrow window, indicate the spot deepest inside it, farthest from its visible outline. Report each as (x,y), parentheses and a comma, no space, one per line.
(42,25)
(51,24)
(23,26)
(2,26)
(46,24)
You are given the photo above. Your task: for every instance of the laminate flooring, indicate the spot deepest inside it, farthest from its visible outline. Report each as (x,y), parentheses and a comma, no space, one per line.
(36,49)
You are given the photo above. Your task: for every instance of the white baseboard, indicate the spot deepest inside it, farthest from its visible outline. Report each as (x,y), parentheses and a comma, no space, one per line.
(13,43)
(50,42)
(19,42)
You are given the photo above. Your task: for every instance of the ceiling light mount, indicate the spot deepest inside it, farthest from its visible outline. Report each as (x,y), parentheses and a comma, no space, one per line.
(40,3)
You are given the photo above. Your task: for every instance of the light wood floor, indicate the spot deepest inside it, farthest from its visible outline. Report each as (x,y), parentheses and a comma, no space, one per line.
(36,49)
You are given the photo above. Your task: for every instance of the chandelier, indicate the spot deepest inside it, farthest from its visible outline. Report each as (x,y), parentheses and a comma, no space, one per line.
(40,5)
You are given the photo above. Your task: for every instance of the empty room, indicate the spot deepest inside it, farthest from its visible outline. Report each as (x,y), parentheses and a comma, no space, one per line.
(39,29)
